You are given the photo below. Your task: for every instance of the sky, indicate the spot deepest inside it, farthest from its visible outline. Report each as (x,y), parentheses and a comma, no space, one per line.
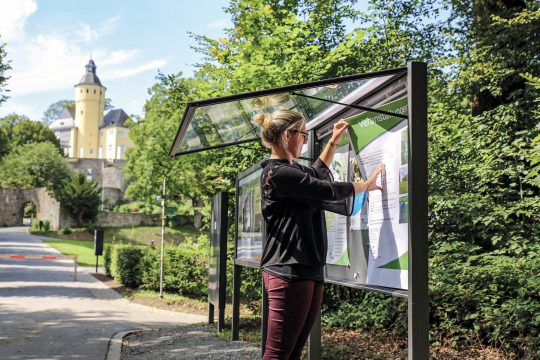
(50,41)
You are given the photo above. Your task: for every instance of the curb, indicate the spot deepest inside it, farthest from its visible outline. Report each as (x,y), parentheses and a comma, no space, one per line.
(114,350)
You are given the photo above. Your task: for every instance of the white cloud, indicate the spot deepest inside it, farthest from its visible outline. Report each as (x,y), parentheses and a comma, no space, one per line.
(21,108)
(117,57)
(134,70)
(86,33)
(53,60)
(13,16)
(49,62)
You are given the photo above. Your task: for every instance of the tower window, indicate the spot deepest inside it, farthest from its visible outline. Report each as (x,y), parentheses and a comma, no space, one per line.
(94,91)
(81,112)
(87,91)
(81,91)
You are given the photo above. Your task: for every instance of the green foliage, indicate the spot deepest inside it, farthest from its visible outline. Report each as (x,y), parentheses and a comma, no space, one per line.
(107,258)
(4,68)
(80,197)
(197,177)
(55,109)
(29,210)
(483,224)
(483,145)
(40,226)
(34,165)
(533,177)
(352,308)
(66,230)
(19,130)
(494,295)
(138,206)
(185,271)
(125,264)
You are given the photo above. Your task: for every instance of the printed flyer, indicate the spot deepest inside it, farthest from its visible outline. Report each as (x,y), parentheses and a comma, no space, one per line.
(379,138)
(336,225)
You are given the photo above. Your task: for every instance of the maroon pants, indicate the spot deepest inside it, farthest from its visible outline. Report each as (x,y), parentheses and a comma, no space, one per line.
(293,308)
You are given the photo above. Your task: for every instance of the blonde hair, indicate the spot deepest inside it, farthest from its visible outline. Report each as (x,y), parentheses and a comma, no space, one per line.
(273,100)
(275,125)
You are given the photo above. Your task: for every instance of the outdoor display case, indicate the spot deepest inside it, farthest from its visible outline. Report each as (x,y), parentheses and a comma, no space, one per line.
(382,246)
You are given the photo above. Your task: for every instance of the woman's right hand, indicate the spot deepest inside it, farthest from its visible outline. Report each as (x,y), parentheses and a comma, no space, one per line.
(370,184)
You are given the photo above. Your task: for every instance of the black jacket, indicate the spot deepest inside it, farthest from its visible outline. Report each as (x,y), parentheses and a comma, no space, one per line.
(293,199)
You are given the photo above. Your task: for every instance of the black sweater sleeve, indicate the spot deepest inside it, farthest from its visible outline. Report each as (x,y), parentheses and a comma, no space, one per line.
(294,183)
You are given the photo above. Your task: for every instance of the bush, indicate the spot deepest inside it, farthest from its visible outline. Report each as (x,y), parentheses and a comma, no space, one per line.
(40,226)
(494,297)
(351,308)
(185,271)
(66,231)
(125,264)
(107,255)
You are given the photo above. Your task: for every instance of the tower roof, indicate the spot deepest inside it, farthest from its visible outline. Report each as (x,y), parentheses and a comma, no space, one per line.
(64,121)
(115,117)
(90,76)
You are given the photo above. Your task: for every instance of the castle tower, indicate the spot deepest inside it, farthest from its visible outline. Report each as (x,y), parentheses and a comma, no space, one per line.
(89,106)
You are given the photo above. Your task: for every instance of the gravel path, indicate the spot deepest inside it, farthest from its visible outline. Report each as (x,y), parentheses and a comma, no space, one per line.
(185,342)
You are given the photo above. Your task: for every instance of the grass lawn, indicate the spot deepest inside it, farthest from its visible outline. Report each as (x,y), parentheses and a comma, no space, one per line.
(83,249)
(138,234)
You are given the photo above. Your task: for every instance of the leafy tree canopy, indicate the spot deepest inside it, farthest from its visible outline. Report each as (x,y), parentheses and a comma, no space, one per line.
(17,130)
(34,165)
(54,110)
(483,137)
(80,197)
(4,68)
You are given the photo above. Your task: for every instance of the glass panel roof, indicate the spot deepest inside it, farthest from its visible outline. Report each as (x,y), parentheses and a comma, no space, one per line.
(227,121)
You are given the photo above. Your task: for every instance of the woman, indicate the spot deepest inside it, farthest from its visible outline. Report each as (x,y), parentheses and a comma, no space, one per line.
(294,254)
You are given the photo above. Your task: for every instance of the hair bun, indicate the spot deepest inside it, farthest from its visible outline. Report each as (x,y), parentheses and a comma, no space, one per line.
(262,119)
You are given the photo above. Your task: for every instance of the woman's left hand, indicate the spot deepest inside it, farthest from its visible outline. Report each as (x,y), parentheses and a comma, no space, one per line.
(339,129)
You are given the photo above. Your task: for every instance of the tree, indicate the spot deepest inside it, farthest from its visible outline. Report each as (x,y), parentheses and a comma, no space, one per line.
(55,109)
(26,131)
(4,67)
(274,44)
(34,165)
(198,176)
(17,130)
(80,197)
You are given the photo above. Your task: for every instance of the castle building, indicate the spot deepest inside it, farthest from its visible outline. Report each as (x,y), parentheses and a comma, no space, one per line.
(85,132)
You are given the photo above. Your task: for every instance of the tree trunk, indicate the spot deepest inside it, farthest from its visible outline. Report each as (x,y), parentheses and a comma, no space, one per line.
(197,214)
(79,219)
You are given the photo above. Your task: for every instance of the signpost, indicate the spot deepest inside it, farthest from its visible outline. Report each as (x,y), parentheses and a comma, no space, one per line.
(98,245)
(217,272)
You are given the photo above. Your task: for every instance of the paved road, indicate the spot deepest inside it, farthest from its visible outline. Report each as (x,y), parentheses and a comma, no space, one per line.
(44,314)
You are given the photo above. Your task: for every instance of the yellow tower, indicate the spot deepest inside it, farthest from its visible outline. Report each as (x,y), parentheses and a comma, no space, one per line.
(89,106)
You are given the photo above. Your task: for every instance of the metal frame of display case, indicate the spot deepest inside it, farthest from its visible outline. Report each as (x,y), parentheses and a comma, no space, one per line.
(417,293)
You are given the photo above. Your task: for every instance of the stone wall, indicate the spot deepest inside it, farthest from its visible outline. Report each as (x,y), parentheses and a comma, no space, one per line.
(107,174)
(118,219)
(12,203)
